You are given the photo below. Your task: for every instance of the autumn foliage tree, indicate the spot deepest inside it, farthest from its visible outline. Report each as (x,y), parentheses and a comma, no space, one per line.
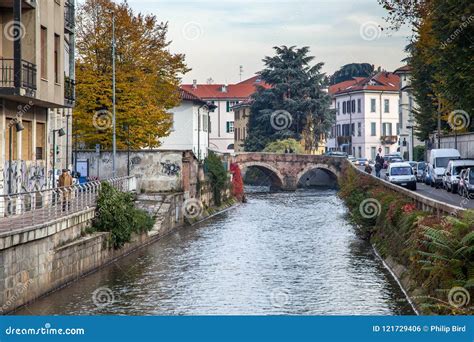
(147,76)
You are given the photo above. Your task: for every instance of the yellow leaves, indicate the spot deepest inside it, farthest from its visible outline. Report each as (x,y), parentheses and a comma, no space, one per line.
(146,76)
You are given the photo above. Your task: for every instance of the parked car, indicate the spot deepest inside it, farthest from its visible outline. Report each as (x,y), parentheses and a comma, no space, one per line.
(361,162)
(437,163)
(336,154)
(401,174)
(413,166)
(420,169)
(392,159)
(351,158)
(453,170)
(462,179)
(467,189)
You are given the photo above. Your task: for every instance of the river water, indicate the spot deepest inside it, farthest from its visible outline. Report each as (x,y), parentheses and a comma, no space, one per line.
(280,253)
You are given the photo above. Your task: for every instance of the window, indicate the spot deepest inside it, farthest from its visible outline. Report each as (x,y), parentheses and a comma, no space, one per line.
(344,107)
(373,129)
(44,51)
(40,140)
(227,106)
(213,102)
(359,129)
(360,151)
(386,106)
(353,106)
(359,106)
(387,128)
(27,141)
(353,130)
(236,115)
(338,130)
(230,126)
(372,105)
(353,151)
(373,152)
(230,104)
(230,147)
(398,128)
(338,109)
(205,122)
(56,58)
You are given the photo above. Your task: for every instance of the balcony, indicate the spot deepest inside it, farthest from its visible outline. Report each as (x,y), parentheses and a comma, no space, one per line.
(69,19)
(7,78)
(27,4)
(69,91)
(344,139)
(389,139)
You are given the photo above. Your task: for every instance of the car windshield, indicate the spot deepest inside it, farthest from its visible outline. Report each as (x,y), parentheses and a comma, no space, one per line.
(471,176)
(442,161)
(421,166)
(401,171)
(396,160)
(457,170)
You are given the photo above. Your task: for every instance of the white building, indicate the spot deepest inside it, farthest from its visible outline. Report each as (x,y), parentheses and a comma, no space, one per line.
(224,97)
(406,118)
(190,130)
(366,115)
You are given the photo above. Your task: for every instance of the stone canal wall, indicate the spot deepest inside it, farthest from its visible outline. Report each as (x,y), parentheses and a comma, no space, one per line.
(39,260)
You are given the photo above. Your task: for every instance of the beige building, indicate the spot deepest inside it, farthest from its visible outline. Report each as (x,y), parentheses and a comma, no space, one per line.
(241,124)
(36,91)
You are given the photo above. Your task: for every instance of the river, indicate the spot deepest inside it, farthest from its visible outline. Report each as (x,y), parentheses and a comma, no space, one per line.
(280,253)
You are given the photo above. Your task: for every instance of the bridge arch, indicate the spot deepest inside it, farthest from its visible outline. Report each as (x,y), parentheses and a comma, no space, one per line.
(330,170)
(276,178)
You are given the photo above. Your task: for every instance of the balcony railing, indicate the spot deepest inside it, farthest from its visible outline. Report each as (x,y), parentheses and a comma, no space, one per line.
(69,90)
(389,139)
(69,13)
(344,139)
(7,74)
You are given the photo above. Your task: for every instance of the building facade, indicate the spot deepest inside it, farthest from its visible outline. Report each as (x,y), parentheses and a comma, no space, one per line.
(241,124)
(190,130)
(224,97)
(407,105)
(36,92)
(367,119)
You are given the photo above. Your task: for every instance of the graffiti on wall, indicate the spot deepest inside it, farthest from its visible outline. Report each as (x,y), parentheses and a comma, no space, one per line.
(25,176)
(169,168)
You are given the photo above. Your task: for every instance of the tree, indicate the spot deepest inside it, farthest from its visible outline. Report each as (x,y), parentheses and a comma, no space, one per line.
(349,71)
(146,76)
(280,146)
(295,102)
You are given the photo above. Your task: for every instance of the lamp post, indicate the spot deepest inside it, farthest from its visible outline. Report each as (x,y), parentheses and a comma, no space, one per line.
(19,127)
(61,133)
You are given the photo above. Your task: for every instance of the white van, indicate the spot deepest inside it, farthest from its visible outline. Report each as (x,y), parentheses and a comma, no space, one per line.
(437,163)
(453,170)
(401,174)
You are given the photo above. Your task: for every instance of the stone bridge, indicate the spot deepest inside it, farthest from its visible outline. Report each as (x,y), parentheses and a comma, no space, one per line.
(287,170)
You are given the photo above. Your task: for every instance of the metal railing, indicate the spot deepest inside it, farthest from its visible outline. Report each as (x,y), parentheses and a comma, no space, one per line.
(7,74)
(28,209)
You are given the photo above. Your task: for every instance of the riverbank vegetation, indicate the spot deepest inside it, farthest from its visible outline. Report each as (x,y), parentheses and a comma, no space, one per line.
(437,253)
(217,176)
(116,213)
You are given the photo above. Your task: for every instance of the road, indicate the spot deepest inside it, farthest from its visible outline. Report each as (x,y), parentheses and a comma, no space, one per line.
(441,195)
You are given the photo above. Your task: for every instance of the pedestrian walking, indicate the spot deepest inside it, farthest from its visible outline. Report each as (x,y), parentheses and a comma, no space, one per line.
(65,181)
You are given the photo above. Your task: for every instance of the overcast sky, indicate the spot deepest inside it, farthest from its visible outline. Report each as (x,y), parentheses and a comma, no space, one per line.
(219,36)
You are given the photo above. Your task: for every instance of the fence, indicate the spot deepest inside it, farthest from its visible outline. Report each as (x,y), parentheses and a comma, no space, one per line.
(24,210)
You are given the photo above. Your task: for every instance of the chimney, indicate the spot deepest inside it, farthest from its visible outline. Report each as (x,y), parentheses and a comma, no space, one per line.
(224,88)
(195,84)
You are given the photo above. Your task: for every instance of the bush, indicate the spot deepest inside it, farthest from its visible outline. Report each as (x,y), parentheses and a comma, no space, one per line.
(279,146)
(217,176)
(117,214)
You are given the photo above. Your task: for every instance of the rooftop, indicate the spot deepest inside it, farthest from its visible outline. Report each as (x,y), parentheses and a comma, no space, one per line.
(382,81)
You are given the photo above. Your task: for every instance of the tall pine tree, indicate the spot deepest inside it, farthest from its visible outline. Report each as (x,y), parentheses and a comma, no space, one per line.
(296,97)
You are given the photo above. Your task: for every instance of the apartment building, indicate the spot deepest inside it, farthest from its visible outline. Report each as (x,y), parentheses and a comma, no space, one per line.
(36,92)
(241,124)
(407,105)
(224,97)
(367,119)
(190,130)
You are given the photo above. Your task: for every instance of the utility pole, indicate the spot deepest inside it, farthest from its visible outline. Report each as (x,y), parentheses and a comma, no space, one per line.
(114,134)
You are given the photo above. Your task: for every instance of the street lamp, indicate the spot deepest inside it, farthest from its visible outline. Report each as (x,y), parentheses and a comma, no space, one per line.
(19,127)
(61,133)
